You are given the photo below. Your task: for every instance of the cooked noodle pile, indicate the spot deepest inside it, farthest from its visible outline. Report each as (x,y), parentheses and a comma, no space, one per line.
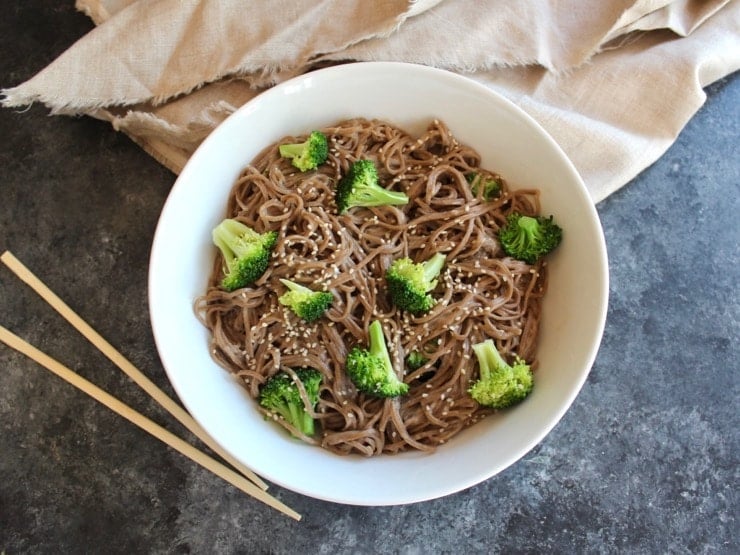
(481,293)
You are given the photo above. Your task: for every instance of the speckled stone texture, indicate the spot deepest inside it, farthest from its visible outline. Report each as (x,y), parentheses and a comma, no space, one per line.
(645,461)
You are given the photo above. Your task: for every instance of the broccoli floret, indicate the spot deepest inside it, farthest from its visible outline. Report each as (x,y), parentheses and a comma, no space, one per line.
(415,360)
(309,154)
(281,395)
(359,187)
(409,283)
(371,370)
(304,302)
(500,385)
(491,186)
(246,253)
(528,238)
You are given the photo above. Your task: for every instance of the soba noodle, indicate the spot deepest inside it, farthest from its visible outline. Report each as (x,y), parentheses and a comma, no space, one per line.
(481,293)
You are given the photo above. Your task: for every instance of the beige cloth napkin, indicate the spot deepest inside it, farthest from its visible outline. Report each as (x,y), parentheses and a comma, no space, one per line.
(613,81)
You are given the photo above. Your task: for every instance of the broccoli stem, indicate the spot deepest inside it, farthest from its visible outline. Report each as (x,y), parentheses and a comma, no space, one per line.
(489,358)
(301,419)
(377,342)
(291,413)
(532,232)
(529,224)
(381,196)
(292,149)
(433,266)
(296,286)
(296,413)
(307,424)
(230,237)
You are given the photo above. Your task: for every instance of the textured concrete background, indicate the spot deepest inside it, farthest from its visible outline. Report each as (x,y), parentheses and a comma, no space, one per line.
(646,460)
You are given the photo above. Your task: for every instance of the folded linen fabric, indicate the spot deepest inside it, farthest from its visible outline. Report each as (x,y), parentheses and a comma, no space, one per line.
(614,82)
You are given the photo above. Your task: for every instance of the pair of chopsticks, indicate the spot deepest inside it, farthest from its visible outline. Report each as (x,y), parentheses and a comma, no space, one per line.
(256,487)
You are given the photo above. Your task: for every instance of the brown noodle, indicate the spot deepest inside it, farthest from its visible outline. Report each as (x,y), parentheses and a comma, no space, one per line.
(481,293)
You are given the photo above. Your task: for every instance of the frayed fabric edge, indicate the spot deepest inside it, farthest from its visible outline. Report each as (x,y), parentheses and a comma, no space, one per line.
(258,77)
(94,10)
(15,97)
(149,126)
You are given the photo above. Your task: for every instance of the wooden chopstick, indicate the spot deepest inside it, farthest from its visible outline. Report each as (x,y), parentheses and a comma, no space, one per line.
(143,422)
(25,275)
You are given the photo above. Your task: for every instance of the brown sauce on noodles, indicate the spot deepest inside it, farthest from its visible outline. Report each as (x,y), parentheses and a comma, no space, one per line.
(481,292)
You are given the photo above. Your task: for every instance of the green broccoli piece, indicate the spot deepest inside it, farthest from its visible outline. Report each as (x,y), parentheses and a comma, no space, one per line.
(409,283)
(500,385)
(246,253)
(491,186)
(415,360)
(281,396)
(528,238)
(371,370)
(309,154)
(304,302)
(359,187)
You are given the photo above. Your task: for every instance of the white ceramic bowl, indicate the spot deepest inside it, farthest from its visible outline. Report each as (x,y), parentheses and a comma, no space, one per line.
(410,96)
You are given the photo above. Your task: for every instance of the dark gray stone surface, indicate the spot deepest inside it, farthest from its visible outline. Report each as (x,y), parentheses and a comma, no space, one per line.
(646,460)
